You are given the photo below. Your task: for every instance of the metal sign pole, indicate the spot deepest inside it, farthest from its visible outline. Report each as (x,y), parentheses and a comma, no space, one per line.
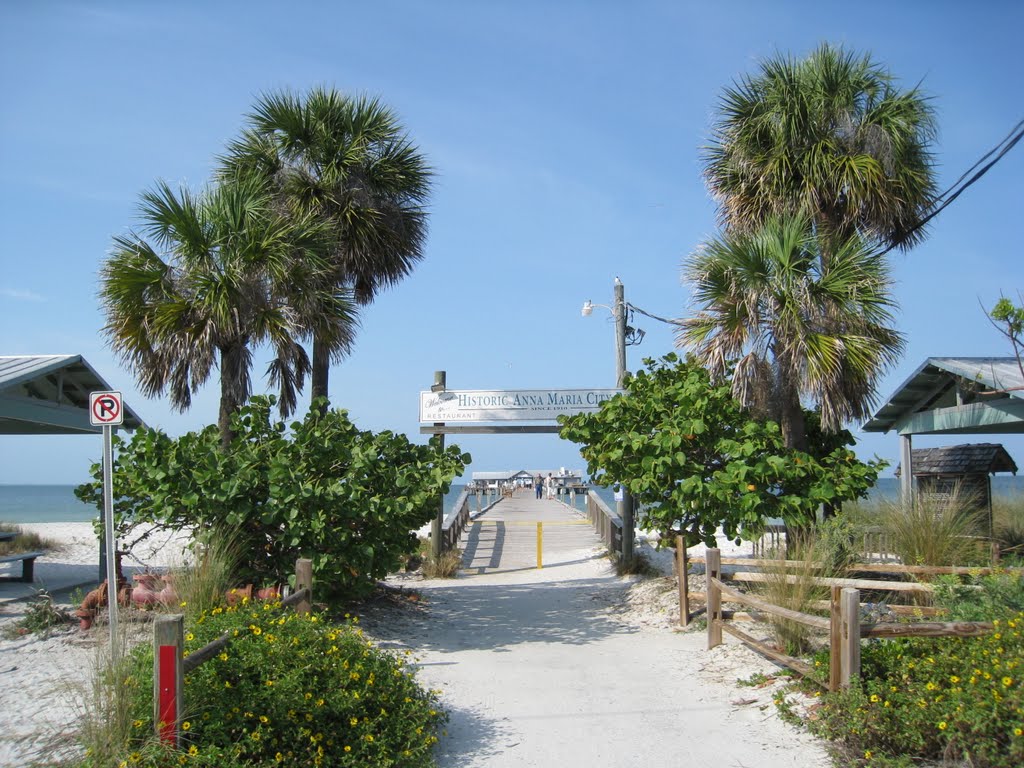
(108,531)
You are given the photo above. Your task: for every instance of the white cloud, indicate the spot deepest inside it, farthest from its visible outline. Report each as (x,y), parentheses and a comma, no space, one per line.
(21,295)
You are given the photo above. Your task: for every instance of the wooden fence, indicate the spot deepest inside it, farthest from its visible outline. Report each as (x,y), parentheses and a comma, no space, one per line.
(170,666)
(844,625)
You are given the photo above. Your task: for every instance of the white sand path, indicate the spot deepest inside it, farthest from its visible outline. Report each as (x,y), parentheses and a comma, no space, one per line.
(548,668)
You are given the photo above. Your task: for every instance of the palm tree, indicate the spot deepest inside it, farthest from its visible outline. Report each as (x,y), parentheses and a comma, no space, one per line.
(349,162)
(210,279)
(798,325)
(829,136)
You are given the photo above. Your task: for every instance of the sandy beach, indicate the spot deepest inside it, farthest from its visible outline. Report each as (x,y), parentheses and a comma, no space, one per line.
(561,666)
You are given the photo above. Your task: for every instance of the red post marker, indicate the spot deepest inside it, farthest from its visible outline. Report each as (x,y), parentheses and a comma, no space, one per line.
(168,698)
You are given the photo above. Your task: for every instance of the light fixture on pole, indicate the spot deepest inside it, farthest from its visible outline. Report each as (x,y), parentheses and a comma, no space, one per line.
(624,507)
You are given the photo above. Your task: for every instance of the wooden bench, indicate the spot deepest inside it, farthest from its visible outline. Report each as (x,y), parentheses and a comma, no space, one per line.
(28,563)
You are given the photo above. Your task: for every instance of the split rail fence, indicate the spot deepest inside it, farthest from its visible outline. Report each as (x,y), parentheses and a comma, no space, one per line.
(170,664)
(843,625)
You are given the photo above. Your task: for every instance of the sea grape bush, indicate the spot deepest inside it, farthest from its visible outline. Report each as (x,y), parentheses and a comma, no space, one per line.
(348,499)
(696,460)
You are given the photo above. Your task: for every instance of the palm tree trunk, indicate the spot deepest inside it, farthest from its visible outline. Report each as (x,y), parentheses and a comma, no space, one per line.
(228,402)
(320,373)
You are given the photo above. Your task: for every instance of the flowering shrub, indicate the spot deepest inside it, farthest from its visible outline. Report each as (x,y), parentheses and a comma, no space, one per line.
(290,690)
(935,698)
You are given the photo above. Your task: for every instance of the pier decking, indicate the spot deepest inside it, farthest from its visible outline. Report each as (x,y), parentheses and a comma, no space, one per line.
(505,538)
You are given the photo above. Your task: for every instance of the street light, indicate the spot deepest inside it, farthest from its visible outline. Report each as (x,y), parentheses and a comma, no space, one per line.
(618,310)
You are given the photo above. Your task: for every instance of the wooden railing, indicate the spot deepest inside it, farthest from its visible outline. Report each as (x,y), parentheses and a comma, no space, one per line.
(873,542)
(461,513)
(843,625)
(605,522)
(170,664)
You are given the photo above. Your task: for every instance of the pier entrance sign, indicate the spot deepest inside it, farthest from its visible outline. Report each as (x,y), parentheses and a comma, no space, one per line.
(503,405)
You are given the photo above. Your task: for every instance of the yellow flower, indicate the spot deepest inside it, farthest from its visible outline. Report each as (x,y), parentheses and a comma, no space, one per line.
(874,698)
(867,755)
(348,748)
(189,637)
(1018,732)
(354,721)
(193,750)
(186,725)
(183,604)
(942,725)
(264,719)
(223,656)
(1007,682)
(137,724)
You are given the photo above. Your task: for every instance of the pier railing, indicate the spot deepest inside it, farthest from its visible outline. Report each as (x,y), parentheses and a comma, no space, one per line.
(607,524)
(455,522)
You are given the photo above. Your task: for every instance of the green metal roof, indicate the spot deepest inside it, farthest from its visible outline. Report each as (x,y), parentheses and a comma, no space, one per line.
(956,395)
(49,395)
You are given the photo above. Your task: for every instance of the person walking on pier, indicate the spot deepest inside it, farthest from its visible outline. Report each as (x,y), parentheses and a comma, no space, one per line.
(538,485)
(551,487)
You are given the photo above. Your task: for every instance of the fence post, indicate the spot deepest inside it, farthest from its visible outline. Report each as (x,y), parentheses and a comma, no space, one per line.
(713,562)
(683,581)
(304,580)
(849,653)
(835,633)
(168,677)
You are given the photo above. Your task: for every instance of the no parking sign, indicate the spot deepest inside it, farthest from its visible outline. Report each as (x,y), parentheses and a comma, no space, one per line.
(106,409)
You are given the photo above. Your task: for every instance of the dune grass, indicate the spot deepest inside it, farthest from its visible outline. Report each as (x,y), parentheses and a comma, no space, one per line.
(25,541)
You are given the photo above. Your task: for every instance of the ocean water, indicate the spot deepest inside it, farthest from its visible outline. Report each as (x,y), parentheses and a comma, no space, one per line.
(57,503)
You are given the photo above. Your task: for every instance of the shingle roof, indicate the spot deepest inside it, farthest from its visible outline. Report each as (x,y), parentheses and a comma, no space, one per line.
(972,459)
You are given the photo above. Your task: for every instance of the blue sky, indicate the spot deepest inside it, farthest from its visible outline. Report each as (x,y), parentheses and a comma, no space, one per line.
(566,140)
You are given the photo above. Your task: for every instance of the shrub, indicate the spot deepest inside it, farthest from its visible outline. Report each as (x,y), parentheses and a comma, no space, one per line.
(347,499)
(41,616)
(952,698)
(980,598)
(288,690)
(696,461)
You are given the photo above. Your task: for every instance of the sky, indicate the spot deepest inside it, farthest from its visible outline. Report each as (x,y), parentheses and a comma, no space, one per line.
(566,140)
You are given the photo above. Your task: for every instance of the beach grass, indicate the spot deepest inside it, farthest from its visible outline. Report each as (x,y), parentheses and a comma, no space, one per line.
(25,541)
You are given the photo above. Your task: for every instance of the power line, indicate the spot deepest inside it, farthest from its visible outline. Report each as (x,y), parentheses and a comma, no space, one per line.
(947,197)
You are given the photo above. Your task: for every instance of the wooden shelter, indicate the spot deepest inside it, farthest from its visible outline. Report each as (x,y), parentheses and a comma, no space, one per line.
(953,396)
(960,471)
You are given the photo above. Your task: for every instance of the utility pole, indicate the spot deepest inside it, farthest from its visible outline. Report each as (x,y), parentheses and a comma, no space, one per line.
(624,508)
(439,385)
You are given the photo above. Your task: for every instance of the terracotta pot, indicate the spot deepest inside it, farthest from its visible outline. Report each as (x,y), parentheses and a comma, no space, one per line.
(168,595)
(235,596)
(269,593)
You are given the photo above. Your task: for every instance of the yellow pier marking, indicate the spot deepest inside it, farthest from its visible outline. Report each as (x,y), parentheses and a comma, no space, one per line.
(540,545)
